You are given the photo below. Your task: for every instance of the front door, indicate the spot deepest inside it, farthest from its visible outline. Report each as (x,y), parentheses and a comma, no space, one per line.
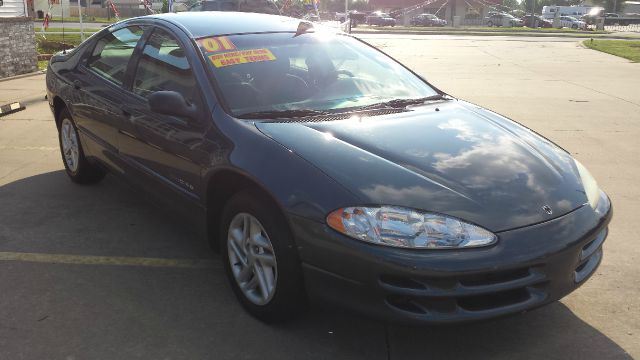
(166,151)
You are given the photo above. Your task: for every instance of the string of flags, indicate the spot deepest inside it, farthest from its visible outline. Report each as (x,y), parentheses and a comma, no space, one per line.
(409,9)
(113,7)
(147,6)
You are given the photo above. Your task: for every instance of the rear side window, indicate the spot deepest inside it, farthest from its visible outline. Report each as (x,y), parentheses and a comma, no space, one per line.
(163,65)
(111,55)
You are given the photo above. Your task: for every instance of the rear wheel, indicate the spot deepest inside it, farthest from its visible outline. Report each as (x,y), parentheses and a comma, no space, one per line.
(79,169)
(261,259)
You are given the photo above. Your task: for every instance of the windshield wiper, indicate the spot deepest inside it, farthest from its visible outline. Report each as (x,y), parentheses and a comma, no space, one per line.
(400,103)
(282,114)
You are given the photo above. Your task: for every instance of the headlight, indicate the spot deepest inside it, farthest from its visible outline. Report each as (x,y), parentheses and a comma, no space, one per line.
(591,188)
(407,228)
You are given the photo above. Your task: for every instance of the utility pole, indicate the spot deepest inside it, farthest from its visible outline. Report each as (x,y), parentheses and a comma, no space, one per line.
(533,12)
(81,24)
(346,15)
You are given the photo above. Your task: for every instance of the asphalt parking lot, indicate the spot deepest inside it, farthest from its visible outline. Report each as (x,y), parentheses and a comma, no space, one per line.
(101,273)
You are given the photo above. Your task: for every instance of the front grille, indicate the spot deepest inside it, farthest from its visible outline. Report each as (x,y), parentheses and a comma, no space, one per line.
(473,292)
(495,300)
(590,257)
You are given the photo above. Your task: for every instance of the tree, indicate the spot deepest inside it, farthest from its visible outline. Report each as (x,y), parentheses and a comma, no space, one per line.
(512,4)
(541,3)
(608,5)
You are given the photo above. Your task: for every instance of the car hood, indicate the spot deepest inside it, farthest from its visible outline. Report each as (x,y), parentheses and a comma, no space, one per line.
(451,157)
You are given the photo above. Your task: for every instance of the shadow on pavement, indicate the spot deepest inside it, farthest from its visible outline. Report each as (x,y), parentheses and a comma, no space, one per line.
(551,332)
(88,311)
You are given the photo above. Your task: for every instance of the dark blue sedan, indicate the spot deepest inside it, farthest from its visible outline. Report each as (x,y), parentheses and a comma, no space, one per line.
(322,168)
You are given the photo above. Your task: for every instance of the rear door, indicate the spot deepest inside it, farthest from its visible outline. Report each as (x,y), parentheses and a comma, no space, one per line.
(98,84)
(165,152)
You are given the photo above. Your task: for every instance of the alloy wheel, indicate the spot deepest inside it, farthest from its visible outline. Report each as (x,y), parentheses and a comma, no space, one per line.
(70,145)
(252,259)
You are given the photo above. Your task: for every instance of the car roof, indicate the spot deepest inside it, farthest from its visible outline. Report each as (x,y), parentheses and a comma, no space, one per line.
(208,23)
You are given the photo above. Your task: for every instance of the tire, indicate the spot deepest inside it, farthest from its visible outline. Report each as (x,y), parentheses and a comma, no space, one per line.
(78,168)
(490,24)
(252,264)
(574,26)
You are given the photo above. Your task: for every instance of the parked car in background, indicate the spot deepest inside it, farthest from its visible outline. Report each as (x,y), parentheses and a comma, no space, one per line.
(356,17)
(427,20)
(381,19)
(571,22)
(500,19)
(254,6)
(538,21)
(312,17)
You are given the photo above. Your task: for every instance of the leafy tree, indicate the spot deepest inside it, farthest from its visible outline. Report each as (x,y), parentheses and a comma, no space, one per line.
(540,3)
(608,5)
(512,4)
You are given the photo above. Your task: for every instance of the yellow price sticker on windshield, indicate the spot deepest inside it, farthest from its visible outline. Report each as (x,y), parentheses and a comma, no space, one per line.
(241,57)
(217,44)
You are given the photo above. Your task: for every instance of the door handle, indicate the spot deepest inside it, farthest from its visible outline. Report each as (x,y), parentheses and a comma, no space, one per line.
(77,84)
(126,112)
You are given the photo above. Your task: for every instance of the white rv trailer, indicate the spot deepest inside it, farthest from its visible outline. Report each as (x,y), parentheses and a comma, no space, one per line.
(577,11)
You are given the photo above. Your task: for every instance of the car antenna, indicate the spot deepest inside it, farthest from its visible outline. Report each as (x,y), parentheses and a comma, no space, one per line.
(303,27)
(64,46)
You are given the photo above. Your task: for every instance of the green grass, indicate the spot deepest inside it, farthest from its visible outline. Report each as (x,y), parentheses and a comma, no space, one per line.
(85,19)
(87,31)
(628,49)
(42,64)
(52,43)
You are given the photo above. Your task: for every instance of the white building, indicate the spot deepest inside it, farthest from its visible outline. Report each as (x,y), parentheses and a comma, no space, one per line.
(631,7)
(13,8)
(56,9)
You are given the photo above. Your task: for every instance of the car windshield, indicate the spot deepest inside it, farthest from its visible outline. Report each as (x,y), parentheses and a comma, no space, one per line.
(272,72)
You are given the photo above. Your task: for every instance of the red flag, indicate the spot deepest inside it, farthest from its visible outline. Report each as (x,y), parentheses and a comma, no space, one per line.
(115,10)
(45,23)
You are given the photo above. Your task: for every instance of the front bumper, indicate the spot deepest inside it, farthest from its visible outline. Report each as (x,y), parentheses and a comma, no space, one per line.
(525,269)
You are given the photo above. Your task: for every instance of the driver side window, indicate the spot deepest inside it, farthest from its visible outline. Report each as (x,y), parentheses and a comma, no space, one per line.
(162,66)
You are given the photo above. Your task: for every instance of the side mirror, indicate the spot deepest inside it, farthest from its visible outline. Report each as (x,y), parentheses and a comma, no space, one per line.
(171,103)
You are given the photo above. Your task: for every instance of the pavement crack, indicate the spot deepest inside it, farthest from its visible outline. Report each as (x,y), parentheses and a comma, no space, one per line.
(386,341)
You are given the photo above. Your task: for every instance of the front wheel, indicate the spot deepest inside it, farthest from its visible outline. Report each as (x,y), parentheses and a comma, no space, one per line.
(574,26)
(490,24)
(261,259)
(78,168)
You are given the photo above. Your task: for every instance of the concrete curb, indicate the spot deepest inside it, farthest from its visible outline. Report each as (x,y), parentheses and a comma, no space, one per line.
(39,72)
(11,108)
